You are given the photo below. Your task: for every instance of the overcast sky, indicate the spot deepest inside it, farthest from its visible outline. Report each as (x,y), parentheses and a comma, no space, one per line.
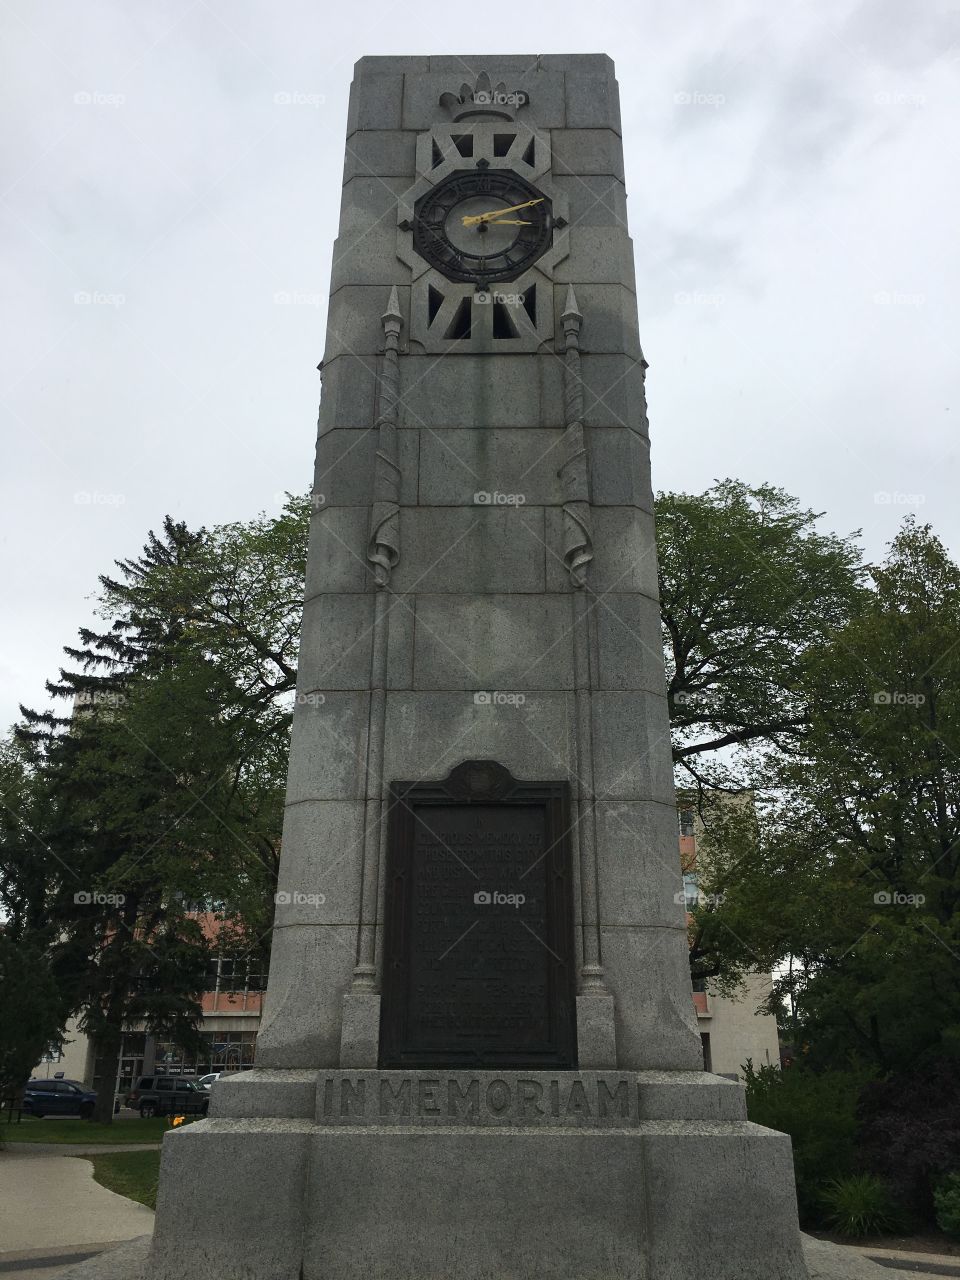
(791,171)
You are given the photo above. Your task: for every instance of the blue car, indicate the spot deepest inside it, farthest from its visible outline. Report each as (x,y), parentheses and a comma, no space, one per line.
(58,1098)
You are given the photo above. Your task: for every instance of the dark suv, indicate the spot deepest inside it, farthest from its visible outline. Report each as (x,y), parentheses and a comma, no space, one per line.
(58,1098)
(168,1096)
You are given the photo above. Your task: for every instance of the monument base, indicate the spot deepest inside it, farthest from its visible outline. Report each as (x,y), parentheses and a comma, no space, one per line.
(413,1175)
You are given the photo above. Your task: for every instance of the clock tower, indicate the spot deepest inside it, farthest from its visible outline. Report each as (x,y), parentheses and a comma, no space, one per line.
(479,1053)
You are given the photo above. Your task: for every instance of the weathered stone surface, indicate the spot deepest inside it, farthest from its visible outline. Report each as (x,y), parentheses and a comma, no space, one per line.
(645,969)
(593,100)
(467,66)
(640,882)
(365,252)
(429,733)
(594,201)
(596,1031)
(386,153)
(478,1203)
(377,64)
(290,1095)
(588,152)
(349,395)
(614,392)
(353,320)
(507,466)
(824,1261)
(518,643)
(360,1035)
(629,732)
(612,308)
(551,1202)
(346,456)
(600,254)
(340,639)
(327,748)
(484,391)
(376,98)
(628,639)
(231,1200)
(301,1022)
(620,468)
(479,548)
(336,557)
(583,63)
(624,558)
(318,880)
(725,1193)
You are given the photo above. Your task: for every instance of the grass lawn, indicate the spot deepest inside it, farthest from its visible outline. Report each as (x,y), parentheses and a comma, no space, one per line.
(67,1130)
(133,1174)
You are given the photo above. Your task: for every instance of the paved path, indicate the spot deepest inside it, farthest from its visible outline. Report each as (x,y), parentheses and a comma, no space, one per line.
(51,1208)
(76,1148)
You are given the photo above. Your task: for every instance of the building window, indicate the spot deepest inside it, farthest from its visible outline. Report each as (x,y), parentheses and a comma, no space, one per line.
(236,974)
(691,894)
(707,1059)
(220,1051)
(686,822)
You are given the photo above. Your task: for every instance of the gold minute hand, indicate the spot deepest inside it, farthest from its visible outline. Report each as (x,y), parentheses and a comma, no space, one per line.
(471,220)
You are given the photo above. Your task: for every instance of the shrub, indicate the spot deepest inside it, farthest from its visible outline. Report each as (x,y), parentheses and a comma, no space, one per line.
(910,1132)
(859,1205)
(818,1111)
(946,1200)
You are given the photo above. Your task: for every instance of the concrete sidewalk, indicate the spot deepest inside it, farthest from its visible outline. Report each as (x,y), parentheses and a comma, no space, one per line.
(51,1208)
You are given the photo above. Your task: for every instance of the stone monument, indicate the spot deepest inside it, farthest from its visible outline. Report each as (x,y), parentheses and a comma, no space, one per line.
(479,1055)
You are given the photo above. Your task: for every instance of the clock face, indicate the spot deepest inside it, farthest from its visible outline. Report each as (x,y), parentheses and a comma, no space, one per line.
(482,226)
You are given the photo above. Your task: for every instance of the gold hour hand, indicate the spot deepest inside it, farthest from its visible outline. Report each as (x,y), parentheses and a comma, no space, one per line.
(471,220)
(508,222)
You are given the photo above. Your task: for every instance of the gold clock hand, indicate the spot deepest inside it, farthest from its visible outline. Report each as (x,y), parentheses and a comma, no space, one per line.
(471,220)
(509,222)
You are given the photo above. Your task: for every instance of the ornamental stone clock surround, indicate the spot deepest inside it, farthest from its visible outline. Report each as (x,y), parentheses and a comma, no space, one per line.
(481,630)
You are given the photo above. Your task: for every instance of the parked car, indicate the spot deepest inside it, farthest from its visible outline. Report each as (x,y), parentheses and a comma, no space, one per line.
(168,1096)
(58,1098)
(206,1081)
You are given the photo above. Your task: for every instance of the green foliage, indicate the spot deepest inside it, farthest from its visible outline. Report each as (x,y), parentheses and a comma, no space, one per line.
(164,781)
(818,1111)
(860,1205)
(875,804)
(844,877)
(946,1199)
(748,587)
(30,1010)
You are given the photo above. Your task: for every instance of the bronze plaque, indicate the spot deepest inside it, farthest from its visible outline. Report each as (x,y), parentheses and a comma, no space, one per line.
(478,948)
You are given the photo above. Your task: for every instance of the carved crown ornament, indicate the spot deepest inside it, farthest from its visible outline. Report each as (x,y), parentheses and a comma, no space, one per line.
(484,100)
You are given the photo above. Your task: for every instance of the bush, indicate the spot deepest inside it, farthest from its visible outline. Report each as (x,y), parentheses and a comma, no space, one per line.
(859,1205)
(819,1112)
(910,1132)
(946,1200)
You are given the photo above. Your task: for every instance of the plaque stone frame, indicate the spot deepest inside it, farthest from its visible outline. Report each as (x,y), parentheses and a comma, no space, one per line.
(479,783)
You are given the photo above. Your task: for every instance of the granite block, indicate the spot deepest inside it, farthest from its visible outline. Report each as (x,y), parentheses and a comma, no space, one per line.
(519,643)
(327,748)
(320,862)
(429,733)
(311,967)
(471,549)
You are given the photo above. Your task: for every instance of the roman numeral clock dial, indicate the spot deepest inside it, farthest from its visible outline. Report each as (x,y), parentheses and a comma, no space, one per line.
(483,227)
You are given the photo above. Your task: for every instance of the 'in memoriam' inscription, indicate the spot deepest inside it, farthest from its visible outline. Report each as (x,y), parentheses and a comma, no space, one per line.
(412,1097)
